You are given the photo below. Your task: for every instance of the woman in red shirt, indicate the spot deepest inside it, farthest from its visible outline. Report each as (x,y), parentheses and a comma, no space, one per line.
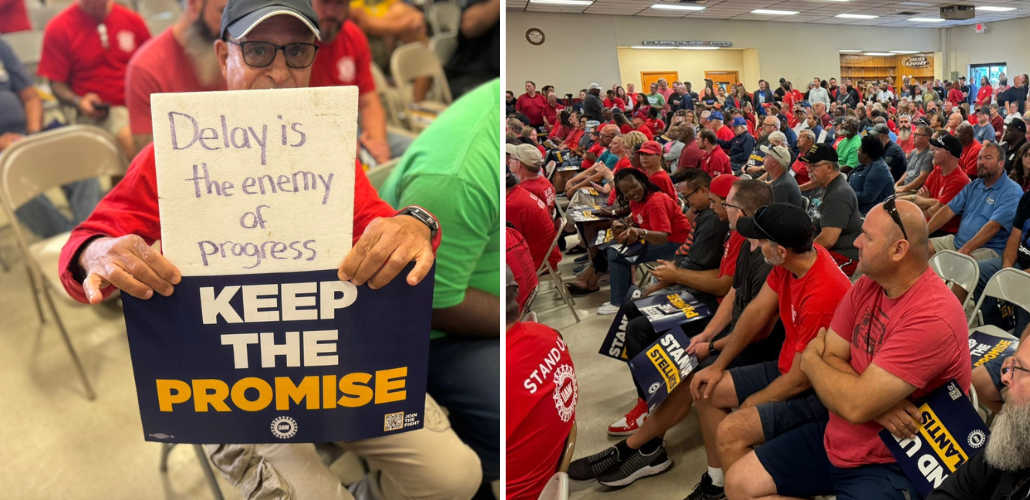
(653,122)
(561,131)
(983,96)
(954,94)
(572,140)
(621,94)
(651,162)
(655,220)
(622,122)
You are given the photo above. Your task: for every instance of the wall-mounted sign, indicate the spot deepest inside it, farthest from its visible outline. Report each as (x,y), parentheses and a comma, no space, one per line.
(981,28)
(682,43)
(916,62)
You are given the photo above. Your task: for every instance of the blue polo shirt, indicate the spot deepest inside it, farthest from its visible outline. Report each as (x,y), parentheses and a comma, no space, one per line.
(978,204)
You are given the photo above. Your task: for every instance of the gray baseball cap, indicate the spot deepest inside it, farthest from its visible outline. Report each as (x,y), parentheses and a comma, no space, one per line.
(241,16)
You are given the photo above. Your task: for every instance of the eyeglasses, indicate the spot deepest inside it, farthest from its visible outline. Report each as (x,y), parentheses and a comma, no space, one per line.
(892,210)
(692,193)
(261,54)
(727,205)
(1009,367)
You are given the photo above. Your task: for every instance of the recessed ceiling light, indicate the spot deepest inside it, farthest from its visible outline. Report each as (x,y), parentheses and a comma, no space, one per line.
(877,54)
(698,48)
(768,12)
(995,9)
(921,19)
(904,51)
(849,51)
(651,48)
(669,6)
(563,2)
(856,16)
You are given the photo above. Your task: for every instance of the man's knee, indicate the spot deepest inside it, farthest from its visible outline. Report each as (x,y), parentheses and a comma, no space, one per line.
(748,479)
(457,475)
(739,430)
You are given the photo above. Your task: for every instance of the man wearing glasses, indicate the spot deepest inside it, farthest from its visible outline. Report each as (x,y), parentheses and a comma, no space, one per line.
(269,44)
(836,211)
(919,163)
(1002,469)
(884,348)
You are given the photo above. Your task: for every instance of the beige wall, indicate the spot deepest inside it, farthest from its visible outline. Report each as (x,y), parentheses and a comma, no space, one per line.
(580,49)
(691,64)
(1005,41)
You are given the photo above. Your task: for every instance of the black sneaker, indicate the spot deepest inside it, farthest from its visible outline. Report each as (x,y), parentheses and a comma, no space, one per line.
(706,491)
(589,468)
(637,466)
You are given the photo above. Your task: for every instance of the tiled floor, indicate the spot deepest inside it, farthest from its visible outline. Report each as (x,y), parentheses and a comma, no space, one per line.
(606,393)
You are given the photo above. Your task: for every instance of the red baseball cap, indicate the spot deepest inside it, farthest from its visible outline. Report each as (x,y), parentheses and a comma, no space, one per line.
(721,185)
(650,148)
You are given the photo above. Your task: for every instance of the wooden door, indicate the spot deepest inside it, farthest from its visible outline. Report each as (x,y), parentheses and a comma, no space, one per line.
(723,78)
(649,77)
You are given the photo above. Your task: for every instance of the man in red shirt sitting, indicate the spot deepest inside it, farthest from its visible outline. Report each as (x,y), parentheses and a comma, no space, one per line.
(970,149)
(86,49)
(944,182)
(541,402)
(180,59)
(528,215)
(344,59)
(715,160)
(525,164)
(551,111)
(884,349)
(112,250)
(722,132)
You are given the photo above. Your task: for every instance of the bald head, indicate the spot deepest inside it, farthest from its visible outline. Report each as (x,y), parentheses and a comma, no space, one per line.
(915,224)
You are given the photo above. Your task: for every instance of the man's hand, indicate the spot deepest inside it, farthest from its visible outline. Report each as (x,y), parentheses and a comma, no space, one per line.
(816,347)
(700,344)
(388,244)
(379,148)
(655,287)
(9,138)
(666,272)
(902,419)
(129,264)
(705,380)
(86,106)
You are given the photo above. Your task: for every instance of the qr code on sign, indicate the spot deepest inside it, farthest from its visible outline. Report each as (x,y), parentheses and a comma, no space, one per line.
(393,421)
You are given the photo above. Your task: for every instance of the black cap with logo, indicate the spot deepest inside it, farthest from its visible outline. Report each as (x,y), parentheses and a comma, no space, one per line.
(949,142)
(785,224)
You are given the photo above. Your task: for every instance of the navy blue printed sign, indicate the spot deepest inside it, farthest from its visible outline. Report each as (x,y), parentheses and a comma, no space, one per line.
(614,343)
(984,347)
(950,433)
(663,366)
(668,310)
(286,357)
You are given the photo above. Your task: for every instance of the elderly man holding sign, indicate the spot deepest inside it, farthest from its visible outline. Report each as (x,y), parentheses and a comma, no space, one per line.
(263,45)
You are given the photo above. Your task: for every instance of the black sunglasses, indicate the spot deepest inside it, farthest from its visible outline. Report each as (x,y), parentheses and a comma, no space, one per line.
(892,210)
(261,54)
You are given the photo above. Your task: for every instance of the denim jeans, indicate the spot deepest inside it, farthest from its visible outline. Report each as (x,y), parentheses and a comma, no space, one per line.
(621,270)
(41,217)
(988,268)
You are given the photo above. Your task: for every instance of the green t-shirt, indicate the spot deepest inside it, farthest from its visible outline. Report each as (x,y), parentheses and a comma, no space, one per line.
(453,170)
(656,100)
(847,151)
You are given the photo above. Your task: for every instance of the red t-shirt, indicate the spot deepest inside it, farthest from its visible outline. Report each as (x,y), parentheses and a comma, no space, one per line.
(520,260)
(529,216)
(659,213)
(542,188)
(159,66)
(999,125)
(807,304)
(661,179)
(597,149)
(74,53)
(725,133)
(909,145)
(943,189)
(532,107)
(644,129)
(559,131)
(14,16)
(983,96)
(131,208)
(924,346)
(617,103)
(572,140)
(716,162)
(691,156)
(542,396)
(801,172)
(955,96)
(967,162)
(551,113)
(625,128)
(344,61)
(730,251)
(657,125)
(619,165)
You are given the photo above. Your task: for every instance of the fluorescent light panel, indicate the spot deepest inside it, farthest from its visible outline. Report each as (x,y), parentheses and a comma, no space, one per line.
(856,16)
(904,51)
(648,47)
(877,54)
(922,20)
(849,51)
(669,6)
(990,8)
(580,3)
(698,48)
(768,12)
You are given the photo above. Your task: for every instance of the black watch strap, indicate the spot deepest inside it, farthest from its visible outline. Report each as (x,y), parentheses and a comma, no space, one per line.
(712,351)
(424,217)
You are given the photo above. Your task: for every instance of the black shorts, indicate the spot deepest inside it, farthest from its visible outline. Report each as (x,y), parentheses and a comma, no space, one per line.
(777,417)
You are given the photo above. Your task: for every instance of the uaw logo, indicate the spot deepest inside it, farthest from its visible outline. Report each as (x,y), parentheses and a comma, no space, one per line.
(284,427)
(990,200)
(345,69)
(566,394)
(654,388)
(640,218)
(976,439)
(126,41)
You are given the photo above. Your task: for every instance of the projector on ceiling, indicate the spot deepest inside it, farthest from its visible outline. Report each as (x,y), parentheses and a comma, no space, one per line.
(957,12)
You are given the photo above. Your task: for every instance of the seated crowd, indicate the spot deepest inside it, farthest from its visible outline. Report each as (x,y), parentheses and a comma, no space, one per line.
(806,224)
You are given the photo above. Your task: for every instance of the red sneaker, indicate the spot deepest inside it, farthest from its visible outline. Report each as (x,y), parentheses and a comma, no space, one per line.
(629,423)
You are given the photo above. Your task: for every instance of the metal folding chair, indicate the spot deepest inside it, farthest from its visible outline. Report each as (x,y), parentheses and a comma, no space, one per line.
(557,487)
(555,274)
(1010,285)
(166,449)
(958,269)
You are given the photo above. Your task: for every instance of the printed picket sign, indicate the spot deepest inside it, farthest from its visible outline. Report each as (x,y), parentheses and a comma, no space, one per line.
(614,343)
(665,311)
(984,347)
(663,366)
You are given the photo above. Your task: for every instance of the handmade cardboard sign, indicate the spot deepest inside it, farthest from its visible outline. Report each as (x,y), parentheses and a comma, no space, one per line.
(663,366)
(950,433)
(261,342)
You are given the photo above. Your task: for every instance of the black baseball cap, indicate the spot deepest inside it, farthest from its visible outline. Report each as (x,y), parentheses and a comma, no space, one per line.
(785,224)
(818,153)
(1017,123)
(949,142)
(879,129)
(241,16)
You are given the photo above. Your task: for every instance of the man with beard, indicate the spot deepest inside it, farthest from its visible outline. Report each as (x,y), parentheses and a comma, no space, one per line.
(344,58)
(181,59)
(1002,469)
(847,149)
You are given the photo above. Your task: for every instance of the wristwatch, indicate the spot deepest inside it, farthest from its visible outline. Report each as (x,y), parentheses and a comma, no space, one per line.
(423,217)
(712,351)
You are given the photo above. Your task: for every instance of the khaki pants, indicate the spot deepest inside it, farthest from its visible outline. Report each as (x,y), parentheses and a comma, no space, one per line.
(430,463)
(948,243)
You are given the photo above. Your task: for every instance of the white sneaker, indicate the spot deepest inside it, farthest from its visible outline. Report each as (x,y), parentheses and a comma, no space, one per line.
(607,308)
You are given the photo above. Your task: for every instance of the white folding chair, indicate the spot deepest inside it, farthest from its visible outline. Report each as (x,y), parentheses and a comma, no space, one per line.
(1010,285)
(555,274)
(958,269)
(27,47)
(40,16)
(29,168)
(444,45)
(148,8)
(410,62)
(557,487)
(444,17)
(161,21)
(390,97)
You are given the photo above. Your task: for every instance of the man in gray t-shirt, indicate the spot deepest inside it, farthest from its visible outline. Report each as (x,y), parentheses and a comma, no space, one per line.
(784,186)
(920,162)
(836,211)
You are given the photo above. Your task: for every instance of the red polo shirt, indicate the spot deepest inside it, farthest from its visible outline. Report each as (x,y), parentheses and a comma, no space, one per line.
(716,163)
(532,107)
(344,61)
(75,53)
